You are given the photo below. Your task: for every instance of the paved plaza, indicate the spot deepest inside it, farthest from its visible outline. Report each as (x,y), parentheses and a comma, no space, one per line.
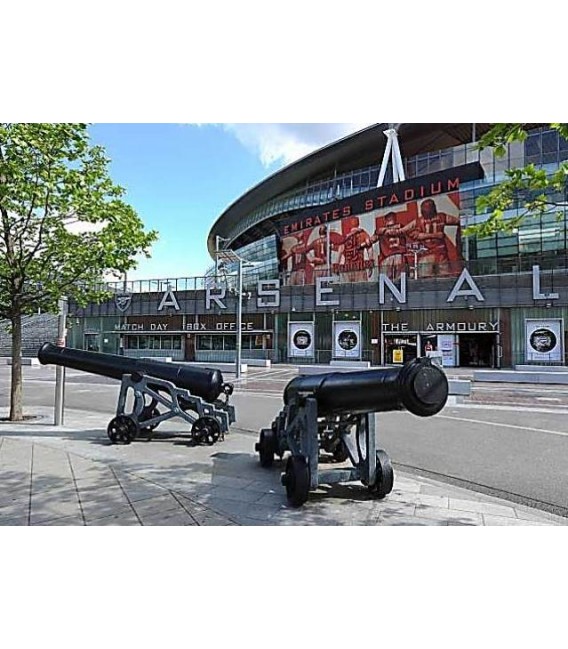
(72,475)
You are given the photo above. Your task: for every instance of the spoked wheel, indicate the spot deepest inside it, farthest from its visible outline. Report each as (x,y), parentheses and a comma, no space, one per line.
(296,479)
(206,430)
(148,412)
(340,452)
(122,429)
(385,476)
(266,447)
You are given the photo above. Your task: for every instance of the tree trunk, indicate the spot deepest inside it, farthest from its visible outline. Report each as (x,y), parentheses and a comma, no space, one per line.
(16,392)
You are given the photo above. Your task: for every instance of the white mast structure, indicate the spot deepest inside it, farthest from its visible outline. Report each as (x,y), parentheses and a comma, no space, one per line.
(392,150)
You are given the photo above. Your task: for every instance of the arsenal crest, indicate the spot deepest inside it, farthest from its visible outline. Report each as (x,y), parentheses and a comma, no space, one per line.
(122,301)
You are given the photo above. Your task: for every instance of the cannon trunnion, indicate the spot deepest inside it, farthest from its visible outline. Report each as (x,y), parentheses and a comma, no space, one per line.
(160,391)
(335,413)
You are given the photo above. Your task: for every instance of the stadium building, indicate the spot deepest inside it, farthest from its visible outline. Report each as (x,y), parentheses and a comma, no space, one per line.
(357,251)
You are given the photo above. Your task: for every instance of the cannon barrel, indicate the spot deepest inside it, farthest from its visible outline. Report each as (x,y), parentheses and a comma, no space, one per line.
(205,383)
(419,386)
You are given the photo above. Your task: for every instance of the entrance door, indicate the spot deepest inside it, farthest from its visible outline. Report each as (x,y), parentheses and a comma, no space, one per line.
(400,349)
(477,350)
(92,342)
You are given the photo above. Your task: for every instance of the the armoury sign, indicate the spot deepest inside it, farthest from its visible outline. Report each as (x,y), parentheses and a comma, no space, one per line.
(453,327)
(268,292)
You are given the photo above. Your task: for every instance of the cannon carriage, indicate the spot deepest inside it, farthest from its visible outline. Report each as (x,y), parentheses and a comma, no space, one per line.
(159,392)
(334,413)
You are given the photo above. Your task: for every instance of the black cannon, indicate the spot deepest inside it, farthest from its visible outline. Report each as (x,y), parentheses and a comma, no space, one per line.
(322,410)
(197,395)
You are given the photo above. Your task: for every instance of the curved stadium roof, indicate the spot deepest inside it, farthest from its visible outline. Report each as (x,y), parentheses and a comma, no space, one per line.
(361,149)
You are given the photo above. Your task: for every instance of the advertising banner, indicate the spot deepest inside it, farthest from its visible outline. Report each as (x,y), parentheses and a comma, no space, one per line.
(446,345)
(301,339)
(544,340)
(347,339)
(422,234)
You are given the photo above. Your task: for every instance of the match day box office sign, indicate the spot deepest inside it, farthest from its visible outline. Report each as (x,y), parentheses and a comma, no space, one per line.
(301,339)
(228,324)
(202,323)
(544,340)
(150,324)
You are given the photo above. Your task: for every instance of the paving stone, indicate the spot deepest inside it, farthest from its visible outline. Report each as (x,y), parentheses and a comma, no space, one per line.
(96,479)
(49,509)
(272,499)
(16,509)
(506,520)
(123,518)
(410,521)
(157,504)
(18,521)
(143,492)
(234,509)
(55,488)
(230,482)
(420,499)
(395,509)
(175,517)
(93,509)
(63,522)
(14,496)
(538,515)
(424,511)
(239,495)
(482,508)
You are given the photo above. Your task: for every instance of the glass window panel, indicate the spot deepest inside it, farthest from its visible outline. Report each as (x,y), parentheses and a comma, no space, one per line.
(176,342)
(230,342)
(549,147)
(204,343)
(533,151)
(167,342)
(217,342)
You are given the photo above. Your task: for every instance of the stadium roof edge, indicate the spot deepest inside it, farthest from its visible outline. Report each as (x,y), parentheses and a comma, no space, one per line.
(366,146)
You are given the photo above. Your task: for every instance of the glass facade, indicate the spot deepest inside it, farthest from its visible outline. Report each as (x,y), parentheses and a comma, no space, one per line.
(539,240)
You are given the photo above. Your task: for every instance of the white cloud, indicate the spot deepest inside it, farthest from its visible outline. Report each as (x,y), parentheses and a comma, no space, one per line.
(281,144)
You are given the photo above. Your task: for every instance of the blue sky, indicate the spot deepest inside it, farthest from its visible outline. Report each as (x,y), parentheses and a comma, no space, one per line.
(180,177)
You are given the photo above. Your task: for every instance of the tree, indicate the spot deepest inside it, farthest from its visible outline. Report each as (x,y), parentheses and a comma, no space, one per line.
(527,189)
(63,226)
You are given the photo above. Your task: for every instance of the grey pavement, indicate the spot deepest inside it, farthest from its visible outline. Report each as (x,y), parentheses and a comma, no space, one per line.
(72,475)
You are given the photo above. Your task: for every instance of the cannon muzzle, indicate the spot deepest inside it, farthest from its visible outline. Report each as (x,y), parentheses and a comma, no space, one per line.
(419,386)
(205,383)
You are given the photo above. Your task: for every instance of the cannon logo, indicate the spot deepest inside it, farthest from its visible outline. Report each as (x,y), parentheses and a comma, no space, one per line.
(543,340)
(347,340)
(122,301)
(302,339)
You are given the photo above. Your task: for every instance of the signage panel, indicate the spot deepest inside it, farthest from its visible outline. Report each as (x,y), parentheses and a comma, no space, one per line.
(544,340)
(301,339)
(347,339)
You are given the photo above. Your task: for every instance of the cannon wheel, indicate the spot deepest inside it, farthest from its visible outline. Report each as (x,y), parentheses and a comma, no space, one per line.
(148,413)
(340,453)
(122,429)
(385,476)
(266,447)
(297,480)
(206,430)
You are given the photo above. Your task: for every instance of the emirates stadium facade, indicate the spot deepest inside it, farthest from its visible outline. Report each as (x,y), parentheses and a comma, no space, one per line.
(356,253)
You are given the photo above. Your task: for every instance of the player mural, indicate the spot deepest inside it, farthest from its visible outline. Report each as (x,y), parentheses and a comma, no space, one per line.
(423,233)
